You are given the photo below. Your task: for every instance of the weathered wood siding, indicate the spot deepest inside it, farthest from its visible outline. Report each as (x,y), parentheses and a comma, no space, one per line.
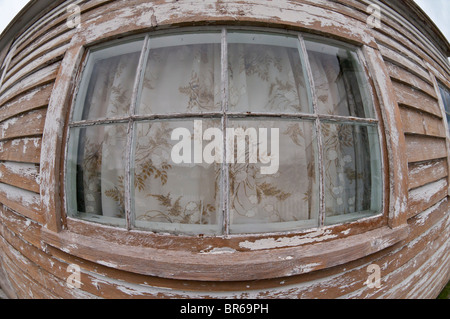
(416,267)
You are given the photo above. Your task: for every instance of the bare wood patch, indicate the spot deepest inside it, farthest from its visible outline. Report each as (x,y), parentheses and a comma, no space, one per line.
(423,148)
(417,122)
(407,95)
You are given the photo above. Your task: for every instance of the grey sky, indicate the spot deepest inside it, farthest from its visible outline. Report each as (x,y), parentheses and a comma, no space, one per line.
(438,10)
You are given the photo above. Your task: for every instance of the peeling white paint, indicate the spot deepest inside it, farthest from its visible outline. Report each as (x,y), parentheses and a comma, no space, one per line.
(218,251)
(305,268)
(19,195)
(107,264)
(425,193)
(423,217)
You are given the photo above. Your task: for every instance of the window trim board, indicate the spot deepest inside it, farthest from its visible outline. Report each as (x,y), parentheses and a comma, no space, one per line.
(395,139)
(262,261)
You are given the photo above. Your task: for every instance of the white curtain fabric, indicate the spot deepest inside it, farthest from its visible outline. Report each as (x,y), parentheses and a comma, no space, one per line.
(266,78)
(102,147)
(262,79)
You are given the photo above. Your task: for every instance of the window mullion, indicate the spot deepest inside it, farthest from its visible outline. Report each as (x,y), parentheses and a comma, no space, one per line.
(318,125)
(225,168)
(129,179)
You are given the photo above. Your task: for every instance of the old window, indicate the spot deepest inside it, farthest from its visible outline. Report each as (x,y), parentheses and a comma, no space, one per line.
(223,132)
(445,93)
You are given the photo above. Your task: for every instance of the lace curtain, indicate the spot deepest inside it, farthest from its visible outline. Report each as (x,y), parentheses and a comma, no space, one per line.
(101,157)
(347,148)
(183,75)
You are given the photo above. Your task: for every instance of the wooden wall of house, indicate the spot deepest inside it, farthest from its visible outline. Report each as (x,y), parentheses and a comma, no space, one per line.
(417,267)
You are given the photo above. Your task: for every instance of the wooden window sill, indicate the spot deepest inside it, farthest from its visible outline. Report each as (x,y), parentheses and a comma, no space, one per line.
(264,261)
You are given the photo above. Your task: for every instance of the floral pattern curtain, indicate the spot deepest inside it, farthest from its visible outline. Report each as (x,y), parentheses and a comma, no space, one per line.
(183,75)
(348,149)
(101,160)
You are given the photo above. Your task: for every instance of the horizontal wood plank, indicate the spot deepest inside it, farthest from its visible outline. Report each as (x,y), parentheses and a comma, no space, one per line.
(52,29)
(423,173)
(424,197)
(415,273)
(24,176)
(27,150)
(22,71)
(205,267)
(402,75)
(408,96)
(37,50)
(24,202)
(400,59)
(418,122)
(424,148)
(28,229)
(40,277)
(25,125)
(39,78)
(400,263)
(35,99)
(18,269)
(408,267)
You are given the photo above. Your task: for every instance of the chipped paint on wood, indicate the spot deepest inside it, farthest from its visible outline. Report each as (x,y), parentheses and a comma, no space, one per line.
(37,245)
(270,243)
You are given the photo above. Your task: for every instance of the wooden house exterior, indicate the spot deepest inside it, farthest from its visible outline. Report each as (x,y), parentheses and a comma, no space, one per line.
(43,249)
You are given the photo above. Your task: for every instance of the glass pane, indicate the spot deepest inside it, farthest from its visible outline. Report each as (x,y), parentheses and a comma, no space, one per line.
(108,80)
(352,172)
(445,93)
(273,177)
(340,83)
(176,186)
(266,74)
(96,170)
(183,75)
